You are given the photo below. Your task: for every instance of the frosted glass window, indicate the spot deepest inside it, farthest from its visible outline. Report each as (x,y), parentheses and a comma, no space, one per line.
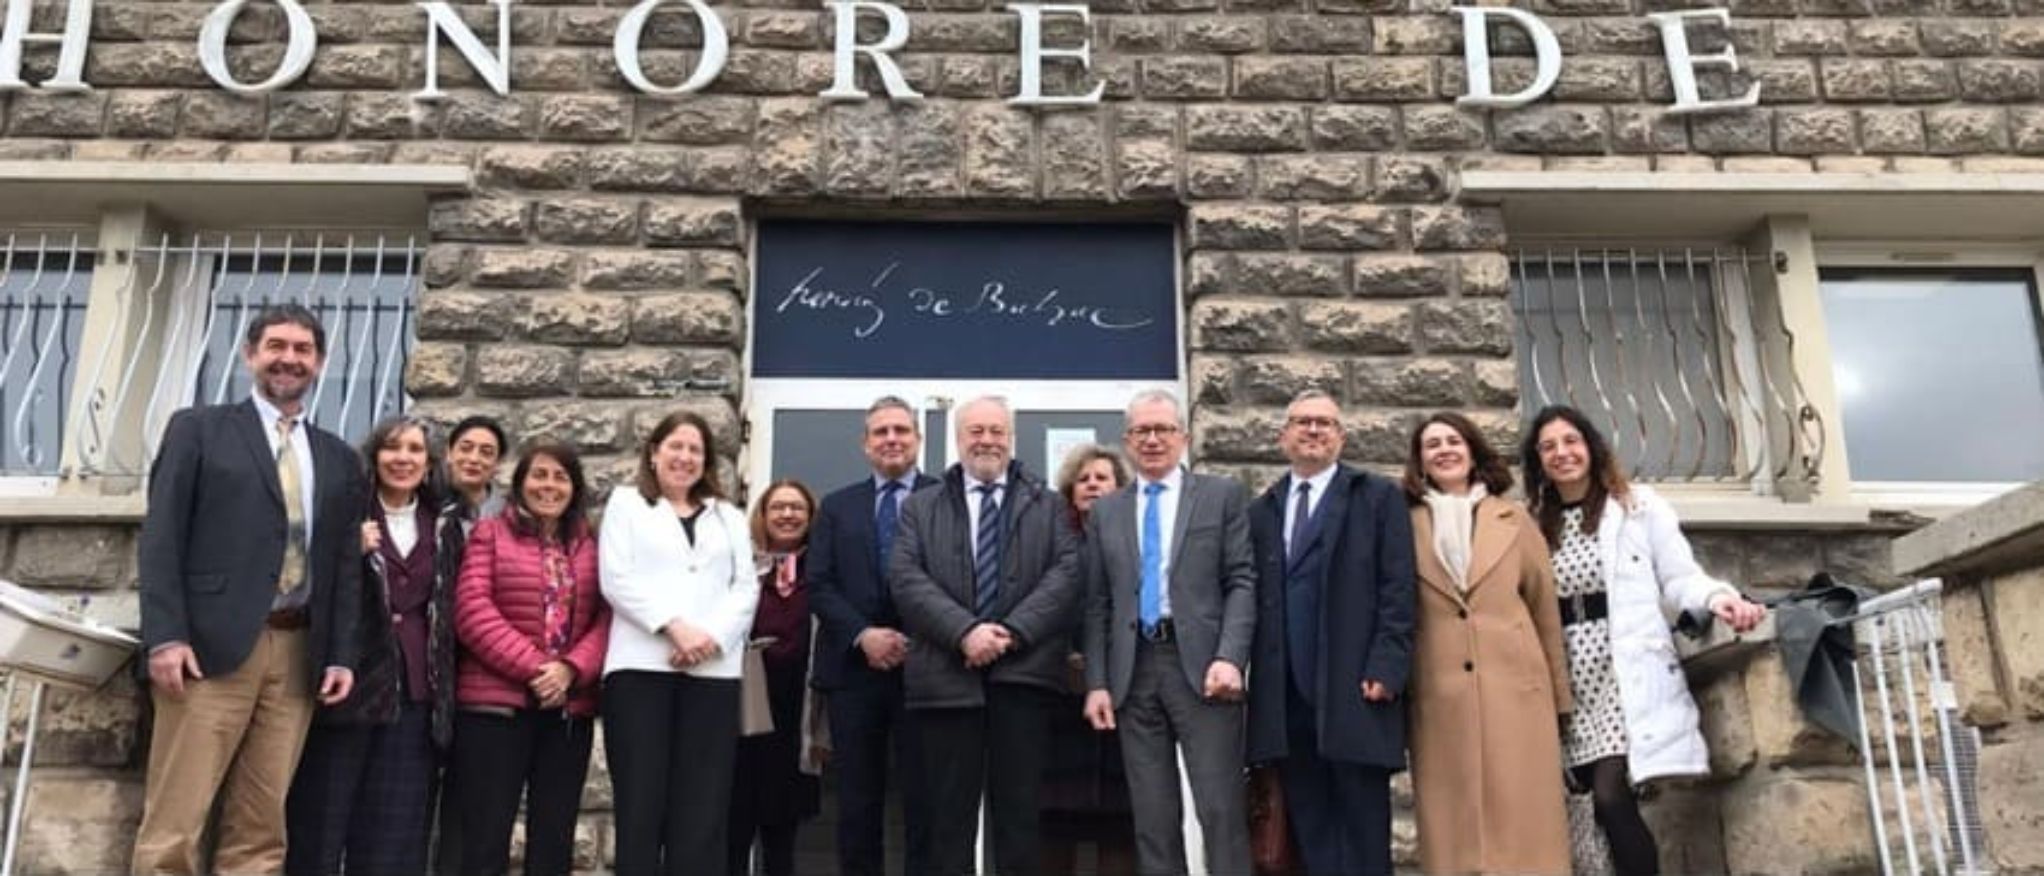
(1940,374)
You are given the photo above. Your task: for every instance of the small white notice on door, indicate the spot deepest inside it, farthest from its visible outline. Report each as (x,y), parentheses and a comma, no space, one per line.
(1057,443)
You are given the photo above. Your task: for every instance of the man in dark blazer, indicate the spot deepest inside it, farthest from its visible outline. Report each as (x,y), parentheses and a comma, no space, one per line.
(985,572)
(250,562)
(1170,615)
(860,646)
(1334,626)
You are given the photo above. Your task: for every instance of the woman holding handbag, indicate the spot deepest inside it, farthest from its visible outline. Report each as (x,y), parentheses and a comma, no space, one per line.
(776,785)
(677,568)
(1619,559)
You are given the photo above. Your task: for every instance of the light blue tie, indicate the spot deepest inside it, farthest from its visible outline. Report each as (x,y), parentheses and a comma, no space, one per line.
(1150,602)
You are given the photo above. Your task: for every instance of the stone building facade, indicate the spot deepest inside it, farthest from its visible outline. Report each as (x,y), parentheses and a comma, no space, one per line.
(589,250)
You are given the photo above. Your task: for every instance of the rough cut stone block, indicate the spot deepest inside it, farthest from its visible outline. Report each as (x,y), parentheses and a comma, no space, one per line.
(515,371)
(1399,276)
(1967,130)
(1358,328)
(83,823)
(1798,823)
(585,118)
(636,270)
(436,369)
(1813,131)
(482,219)
(1856,80)
(578,318)
(1478,327)
(1781,736)
(1484,273)
(84,728)
(1924,81)
(150,114)
(595,427)
(1553,129)
(1891,131)
(2011,783)
(2019,624)
(1236,325)
(522,269)
(1146,169)
(1316,177)
(1075,157)
(1241,226)
(635,373)
(1750,131)
(1237,434)
(1374,79)
(688,318)
(1496,383)
(1457,228)
(530,167)
(997,151)
(1355,128)
(1183,78)
(858,148)
(1217,35)
(73,557)
(1443,128)
(1348,227)
(466,315)
(1276,380)
(699,120)
(1217,176)
(1269,78)
(1410,383)
(1246,128)
(1998,80)
(1410,178)
(1272,274)
(693,221)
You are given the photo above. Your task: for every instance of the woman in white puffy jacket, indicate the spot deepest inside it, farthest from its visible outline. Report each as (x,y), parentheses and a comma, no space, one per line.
(1621,569)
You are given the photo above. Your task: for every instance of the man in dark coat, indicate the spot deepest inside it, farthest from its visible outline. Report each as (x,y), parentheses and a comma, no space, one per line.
(1334,627)
(251,567)
(860,646)
(985,573)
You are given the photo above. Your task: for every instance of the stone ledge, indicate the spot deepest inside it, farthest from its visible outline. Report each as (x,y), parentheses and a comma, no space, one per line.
(1999,534)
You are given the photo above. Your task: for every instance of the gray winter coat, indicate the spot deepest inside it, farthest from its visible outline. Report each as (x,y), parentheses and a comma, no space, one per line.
(930,574)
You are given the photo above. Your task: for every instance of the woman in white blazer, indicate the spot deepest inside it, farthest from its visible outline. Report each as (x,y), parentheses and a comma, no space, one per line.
(1622,568)
(675,559)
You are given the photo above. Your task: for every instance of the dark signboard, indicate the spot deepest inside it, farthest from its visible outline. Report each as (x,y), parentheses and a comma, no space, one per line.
(1008,300)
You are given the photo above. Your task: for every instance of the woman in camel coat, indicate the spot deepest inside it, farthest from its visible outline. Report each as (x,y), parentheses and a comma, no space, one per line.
(1489,679)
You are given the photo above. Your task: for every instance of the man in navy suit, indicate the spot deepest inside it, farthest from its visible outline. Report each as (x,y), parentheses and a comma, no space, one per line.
(1333,648)
(251,561)
(860,647)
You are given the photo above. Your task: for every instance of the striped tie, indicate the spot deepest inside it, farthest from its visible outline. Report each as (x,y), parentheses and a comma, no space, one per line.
(293,572)
(986,553)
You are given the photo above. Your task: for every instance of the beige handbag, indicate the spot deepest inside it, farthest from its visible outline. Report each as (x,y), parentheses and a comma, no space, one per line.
(755,711)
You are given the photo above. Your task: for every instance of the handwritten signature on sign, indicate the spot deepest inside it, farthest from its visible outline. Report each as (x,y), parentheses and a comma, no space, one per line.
(992,298)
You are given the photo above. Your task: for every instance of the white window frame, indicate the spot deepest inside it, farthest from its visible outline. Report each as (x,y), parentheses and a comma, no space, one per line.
(126,209)
(1935,497)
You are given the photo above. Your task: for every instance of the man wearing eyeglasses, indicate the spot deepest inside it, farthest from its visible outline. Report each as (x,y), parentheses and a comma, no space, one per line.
(985,574)
(1170,614)
(1334,627)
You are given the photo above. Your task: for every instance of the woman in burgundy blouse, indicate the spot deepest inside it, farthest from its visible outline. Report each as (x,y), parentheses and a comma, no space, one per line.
(776,777)
(362,798)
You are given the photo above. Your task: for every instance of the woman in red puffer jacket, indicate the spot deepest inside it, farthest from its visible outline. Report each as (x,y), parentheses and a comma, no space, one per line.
(533,628)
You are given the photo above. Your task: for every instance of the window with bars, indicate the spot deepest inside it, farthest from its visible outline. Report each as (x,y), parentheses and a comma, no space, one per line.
(1667,349)
(133,335)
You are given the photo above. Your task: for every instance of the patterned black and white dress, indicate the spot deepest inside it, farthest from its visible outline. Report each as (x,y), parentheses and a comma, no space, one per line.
(1597,729)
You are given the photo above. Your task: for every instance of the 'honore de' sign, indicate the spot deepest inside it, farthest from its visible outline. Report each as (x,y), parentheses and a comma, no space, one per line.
(956,300)
(495,67)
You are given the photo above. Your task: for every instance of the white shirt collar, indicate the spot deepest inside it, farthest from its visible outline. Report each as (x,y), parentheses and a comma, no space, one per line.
(1173,482)
(270,414)
(1319,481)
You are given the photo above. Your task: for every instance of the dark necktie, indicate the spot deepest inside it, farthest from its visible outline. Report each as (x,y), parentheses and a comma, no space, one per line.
(886,522)
(1301,510)
(986,556)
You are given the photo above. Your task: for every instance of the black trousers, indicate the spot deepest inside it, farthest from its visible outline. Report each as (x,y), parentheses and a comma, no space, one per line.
(540,756)
(1340,813)
(997,752)
(867,724)
(362,798)
(671,740)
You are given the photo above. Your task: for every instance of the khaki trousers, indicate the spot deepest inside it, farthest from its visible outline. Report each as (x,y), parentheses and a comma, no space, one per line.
(234,737)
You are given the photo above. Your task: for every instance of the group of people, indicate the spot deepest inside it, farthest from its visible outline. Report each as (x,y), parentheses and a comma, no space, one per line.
(339,646)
